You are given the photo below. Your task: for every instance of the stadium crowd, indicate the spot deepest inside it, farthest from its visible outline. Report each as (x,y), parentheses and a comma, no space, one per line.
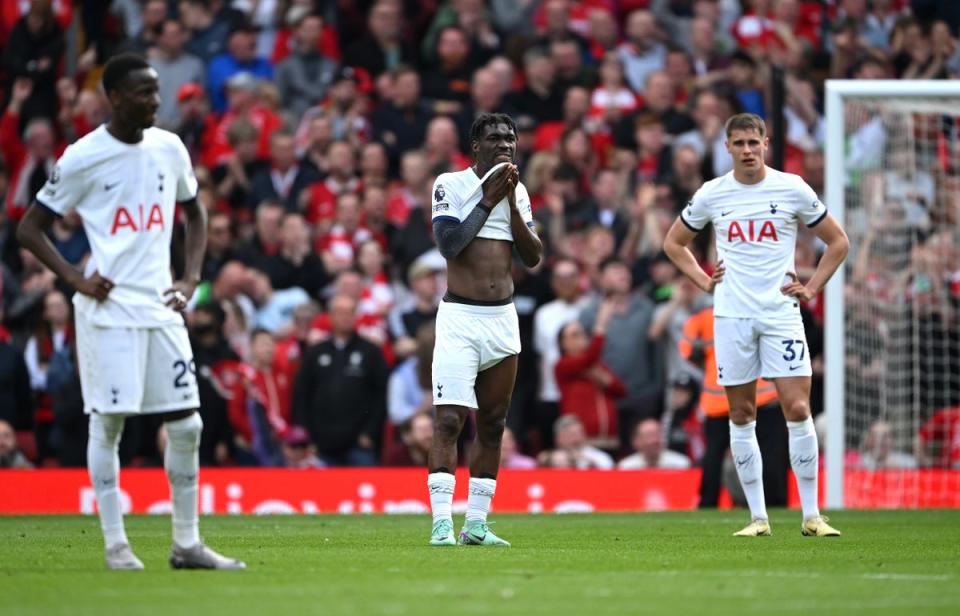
(317,129)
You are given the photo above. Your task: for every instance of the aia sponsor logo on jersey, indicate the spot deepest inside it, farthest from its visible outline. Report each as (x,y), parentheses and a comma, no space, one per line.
(137,220)
(752,231)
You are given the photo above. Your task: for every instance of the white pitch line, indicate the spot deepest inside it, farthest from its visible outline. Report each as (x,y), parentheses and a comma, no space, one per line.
(907,577)
(896,577)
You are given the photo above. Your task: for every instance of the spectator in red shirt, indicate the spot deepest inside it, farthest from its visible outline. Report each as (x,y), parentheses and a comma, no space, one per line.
(338,246)
(197,123)
(378,293)
(242,101)
(588,389)
(939,439)
(612,98)
(261,417)
(322,198)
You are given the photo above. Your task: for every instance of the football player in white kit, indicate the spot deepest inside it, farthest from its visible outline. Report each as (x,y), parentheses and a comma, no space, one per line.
(125,179)
(758,331)
(480,215)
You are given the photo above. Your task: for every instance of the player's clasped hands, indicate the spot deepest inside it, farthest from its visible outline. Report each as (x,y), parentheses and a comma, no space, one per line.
(500,184)
(95,286)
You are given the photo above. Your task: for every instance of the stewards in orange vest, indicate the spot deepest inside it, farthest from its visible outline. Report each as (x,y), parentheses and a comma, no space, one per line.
(697,347)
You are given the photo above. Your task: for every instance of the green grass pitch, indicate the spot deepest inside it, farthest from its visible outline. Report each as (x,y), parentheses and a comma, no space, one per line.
(899,562)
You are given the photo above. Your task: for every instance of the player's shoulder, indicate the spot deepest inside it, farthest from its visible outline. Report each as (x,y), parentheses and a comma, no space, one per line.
(454,179)
(711,187)
(95,141)
(163,137)
(788,179)
(451,183)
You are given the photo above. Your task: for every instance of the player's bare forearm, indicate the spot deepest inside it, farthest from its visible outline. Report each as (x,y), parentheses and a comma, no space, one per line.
(32,235)
(529,246)
(838,245)
(196,239)
(675,245)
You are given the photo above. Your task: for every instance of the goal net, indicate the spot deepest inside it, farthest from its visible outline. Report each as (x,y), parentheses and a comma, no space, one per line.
(893,363)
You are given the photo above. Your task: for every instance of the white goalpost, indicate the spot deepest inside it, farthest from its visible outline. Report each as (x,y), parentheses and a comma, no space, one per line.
(892,167)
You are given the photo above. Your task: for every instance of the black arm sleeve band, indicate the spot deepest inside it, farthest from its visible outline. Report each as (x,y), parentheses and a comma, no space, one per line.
(453,237)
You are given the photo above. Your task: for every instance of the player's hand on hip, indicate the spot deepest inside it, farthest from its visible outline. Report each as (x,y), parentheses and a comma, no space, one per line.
(716,278)
(497,186)
(797,289)
(179,294)
(95,286)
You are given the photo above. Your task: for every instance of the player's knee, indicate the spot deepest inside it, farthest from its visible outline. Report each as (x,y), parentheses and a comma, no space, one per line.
(742,414)
(796,410)
(490,430)
(185,433)
(448,425)
(105,430)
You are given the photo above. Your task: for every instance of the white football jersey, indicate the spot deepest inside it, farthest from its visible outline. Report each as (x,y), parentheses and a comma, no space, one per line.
(456,194)
(756,229)
(126,195)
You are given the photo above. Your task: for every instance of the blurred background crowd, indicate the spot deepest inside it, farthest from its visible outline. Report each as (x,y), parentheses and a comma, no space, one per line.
(317,128)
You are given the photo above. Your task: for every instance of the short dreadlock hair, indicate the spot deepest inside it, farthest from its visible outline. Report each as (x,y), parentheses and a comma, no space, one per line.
(490,119)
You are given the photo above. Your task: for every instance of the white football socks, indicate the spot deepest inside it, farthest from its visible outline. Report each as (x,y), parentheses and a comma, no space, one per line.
(805,461)
(747,460)
(479,497)
(103,463)
(441,487)
(182,463)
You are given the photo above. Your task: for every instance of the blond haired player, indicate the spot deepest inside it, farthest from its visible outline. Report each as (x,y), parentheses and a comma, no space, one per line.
(755,211)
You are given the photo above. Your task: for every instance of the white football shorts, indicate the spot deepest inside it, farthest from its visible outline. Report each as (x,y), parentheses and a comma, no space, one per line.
(135,370)
(470,339)
(769,347)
